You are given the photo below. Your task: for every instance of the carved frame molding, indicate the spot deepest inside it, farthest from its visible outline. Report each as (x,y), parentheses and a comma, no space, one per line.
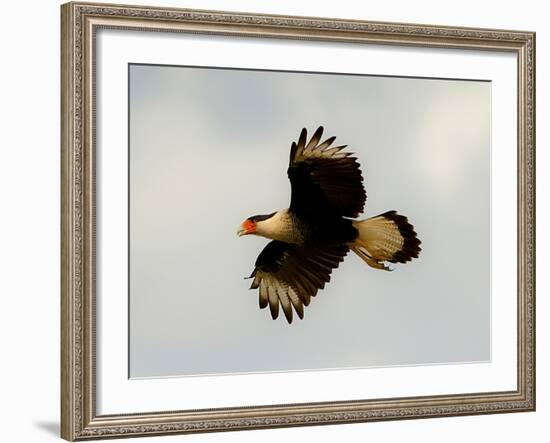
(79,23)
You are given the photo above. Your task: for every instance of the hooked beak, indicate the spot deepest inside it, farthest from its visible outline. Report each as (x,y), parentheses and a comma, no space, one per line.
(247,227)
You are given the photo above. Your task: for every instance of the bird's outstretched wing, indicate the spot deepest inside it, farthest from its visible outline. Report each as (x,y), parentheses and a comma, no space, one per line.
(324,178)
(289,275)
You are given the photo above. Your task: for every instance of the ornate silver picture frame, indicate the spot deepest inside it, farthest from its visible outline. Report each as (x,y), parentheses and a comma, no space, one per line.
(81,22)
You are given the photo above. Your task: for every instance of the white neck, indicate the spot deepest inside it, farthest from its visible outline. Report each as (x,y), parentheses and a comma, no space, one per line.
(279,227)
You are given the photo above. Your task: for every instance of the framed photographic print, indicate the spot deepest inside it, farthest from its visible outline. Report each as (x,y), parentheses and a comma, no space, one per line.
(282,221)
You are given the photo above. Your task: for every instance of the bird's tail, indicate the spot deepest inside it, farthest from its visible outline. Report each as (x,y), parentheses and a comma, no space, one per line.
(388,237)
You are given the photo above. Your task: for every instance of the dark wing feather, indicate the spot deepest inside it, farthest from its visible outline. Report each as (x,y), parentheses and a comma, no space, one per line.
(289,275)
(324,179)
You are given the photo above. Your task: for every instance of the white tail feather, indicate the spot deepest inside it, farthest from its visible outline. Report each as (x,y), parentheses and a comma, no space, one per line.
(387,237)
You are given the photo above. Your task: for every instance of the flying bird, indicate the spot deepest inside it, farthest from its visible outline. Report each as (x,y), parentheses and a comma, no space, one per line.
(313,235)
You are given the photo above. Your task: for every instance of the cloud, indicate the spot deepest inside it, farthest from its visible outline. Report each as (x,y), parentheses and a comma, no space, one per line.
(452,137)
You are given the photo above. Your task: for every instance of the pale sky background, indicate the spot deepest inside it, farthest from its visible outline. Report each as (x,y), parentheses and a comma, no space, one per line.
(210,147)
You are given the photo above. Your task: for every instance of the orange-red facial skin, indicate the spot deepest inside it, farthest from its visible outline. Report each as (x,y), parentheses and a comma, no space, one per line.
(249,226)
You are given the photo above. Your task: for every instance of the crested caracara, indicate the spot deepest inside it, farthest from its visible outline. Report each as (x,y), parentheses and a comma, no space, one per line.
(313,235)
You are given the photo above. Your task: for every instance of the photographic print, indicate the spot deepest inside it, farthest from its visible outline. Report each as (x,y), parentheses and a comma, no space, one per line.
(273,221)
(290,221)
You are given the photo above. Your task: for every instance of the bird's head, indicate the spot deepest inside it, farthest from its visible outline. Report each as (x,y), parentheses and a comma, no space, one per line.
(253,225)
